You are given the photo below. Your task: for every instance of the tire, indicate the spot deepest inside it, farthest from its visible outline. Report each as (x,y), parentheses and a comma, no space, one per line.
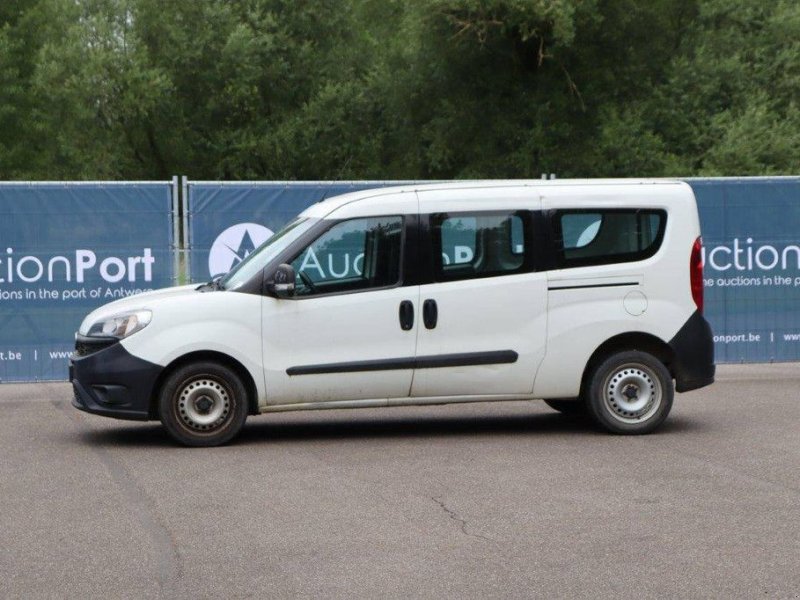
(573,407)
(630,393)
(203,404)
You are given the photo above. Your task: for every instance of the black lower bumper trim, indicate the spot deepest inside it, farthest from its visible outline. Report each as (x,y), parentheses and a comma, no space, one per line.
(113,383)
(84,401)
(687,385)
(693,347)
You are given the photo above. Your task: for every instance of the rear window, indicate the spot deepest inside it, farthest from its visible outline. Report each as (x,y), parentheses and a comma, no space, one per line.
(606,236)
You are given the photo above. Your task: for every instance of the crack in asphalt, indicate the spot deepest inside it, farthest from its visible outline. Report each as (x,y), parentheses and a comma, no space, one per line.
(454,516)
(144,510)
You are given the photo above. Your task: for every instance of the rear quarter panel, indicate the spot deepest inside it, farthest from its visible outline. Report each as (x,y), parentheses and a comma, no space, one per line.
(583,318)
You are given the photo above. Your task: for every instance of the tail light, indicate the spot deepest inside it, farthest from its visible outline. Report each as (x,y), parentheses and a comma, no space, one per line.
(696,273)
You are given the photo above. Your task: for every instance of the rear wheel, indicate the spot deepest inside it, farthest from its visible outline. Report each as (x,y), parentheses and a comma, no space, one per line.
(630,393)
(568,406)
(203,404)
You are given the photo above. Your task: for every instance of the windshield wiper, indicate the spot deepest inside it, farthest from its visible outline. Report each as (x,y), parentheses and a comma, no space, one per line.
(214,285)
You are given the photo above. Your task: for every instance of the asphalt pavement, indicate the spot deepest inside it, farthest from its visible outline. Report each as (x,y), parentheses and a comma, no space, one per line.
(505,500)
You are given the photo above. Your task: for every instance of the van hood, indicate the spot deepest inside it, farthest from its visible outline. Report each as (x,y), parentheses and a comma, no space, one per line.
(146,300)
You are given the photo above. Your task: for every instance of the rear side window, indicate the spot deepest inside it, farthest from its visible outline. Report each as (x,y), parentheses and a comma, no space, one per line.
(473,245)
(607,236)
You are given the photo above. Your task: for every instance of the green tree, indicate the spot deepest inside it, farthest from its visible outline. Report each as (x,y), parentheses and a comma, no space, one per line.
(729,103)
(21,36)
(513,88)
(317,89)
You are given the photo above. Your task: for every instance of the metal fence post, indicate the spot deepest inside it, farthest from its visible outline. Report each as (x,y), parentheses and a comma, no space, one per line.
(187,237)
(176,241)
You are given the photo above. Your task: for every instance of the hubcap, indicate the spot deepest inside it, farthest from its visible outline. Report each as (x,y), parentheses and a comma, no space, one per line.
(632,393)
(203,404)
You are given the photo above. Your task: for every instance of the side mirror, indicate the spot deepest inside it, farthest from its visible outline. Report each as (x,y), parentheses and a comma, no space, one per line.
(282,284)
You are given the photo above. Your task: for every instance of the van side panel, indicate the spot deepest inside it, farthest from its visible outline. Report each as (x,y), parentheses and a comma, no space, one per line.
(591,304)
(581,320)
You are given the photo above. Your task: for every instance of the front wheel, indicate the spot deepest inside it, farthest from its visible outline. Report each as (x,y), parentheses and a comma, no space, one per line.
(203,404)
(630,393)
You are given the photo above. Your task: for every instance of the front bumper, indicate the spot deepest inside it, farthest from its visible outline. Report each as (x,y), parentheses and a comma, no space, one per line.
(113,383)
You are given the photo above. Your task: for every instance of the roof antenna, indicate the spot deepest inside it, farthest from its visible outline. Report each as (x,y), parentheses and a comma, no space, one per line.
(338,177)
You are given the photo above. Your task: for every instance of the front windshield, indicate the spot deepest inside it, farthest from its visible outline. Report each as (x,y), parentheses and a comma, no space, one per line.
(261,256)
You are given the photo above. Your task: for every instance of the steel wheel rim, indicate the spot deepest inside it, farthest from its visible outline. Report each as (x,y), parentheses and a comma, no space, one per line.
(632,393)
(204,404)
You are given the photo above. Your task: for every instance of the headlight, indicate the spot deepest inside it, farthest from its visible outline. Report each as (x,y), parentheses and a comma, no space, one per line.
(122,325)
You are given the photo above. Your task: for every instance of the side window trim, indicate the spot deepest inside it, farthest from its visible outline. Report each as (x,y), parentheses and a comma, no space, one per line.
(417,268)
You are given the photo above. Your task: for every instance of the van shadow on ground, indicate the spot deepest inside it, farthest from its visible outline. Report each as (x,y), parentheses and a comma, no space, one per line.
(260,430)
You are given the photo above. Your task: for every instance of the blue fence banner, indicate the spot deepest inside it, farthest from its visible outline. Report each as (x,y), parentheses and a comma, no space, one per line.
(69,247)
(66,249)
(228,220)
(751,236)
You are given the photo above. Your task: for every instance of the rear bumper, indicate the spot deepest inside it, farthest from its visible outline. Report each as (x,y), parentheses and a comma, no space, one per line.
(687,385)
(693,348)
(113,383)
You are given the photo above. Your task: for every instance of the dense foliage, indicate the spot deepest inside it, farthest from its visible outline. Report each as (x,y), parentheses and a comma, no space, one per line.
(388,89)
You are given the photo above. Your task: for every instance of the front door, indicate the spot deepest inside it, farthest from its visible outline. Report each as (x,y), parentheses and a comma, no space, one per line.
(484,327)
(349,333)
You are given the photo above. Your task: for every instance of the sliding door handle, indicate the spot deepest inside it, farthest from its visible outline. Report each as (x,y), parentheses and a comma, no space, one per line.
(430,313)
(406,315)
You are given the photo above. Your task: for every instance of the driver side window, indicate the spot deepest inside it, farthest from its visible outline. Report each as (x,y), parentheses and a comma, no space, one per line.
(356,254)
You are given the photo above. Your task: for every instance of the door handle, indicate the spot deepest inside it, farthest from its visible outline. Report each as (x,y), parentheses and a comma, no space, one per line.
(406,315)
(430,313)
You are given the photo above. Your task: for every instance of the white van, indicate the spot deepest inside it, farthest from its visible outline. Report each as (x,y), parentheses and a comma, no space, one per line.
(587,294)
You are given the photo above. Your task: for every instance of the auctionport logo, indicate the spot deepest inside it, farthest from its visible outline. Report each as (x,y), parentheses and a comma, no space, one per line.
(77,266)
(235,244)
(747,255)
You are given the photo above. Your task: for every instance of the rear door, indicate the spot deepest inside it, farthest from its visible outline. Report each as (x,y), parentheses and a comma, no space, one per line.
(484,310)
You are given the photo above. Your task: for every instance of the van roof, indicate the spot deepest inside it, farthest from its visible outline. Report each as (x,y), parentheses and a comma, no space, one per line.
(328,205)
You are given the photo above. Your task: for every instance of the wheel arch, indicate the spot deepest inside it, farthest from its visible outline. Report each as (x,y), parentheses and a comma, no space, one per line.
(633,340)
(220,357)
